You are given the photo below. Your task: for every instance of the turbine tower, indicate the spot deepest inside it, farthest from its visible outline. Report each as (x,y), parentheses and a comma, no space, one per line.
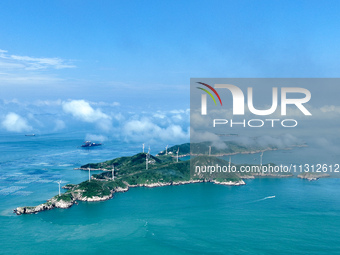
(89,173)
(147,161)
(59,182)
(261,161)
(177,153)
(166,150)
(113,172)
(209,150)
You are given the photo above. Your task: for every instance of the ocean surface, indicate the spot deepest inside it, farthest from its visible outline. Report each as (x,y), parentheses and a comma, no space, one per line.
(266,216)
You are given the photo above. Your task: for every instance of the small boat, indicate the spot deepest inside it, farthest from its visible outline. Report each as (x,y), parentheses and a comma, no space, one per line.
(90,144)
(30,135)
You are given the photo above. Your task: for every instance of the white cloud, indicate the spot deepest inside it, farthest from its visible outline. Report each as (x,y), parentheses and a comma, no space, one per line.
(82,110)
(174,132)
(59,125)
(330,108)
(8,65)
(96,138)
(105,125)
(15,123)
(146,130)
(205,136)
(17,77)
(18,69)
(283,141)
(177,117)
(48,102)
(119,117)
(112,104)
(327,144)
(12,101)
(31,63)
(179,111)
(159,115)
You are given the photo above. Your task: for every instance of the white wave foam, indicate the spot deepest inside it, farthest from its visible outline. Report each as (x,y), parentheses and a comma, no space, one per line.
(9,190)
(23,193)
(65,165)
(269,197)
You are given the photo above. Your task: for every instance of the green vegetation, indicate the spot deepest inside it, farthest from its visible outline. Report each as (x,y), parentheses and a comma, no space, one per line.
(69,186)
(162,170)
(65,197)
(94,188)
(203,149)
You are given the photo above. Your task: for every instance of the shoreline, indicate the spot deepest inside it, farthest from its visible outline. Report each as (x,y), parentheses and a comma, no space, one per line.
(55,203)
(103,188)
(313,176)
(244,152)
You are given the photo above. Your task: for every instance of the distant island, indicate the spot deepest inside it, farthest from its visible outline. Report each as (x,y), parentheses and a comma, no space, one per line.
(145,170)
(310,176)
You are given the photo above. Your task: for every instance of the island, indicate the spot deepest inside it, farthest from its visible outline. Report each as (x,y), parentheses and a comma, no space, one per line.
(145,170)
(311,176)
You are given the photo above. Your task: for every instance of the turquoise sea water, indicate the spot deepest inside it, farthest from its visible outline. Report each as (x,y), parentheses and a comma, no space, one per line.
(302,218)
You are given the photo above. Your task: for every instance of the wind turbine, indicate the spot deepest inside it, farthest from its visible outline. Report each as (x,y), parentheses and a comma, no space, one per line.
(166,150)
(143,147)
(177,153)
(59,182)
(89,173)
(113,172)
(209,150)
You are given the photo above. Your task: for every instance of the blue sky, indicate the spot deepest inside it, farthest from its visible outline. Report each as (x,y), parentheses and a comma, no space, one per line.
(139,56)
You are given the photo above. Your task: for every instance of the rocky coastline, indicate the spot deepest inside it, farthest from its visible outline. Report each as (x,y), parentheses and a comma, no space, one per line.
(313,176)
(131,172)
(55,203)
